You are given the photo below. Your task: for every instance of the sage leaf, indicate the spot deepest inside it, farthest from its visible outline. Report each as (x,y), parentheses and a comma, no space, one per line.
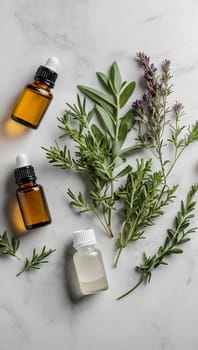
(118,161)
(123,131)
(96,95)
(106,120)
(124,172)
(126,94)
(128,118)
(116,149)
(115,77)
(128,151)
(91,114)
(97,133)
(104,80)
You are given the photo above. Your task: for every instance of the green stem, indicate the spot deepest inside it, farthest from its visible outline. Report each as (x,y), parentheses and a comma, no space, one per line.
(132,289)
(119,251)
(19,273)
(106,227)
(17,257)
(112,200)
(117,116)
(159,151)
(177,155)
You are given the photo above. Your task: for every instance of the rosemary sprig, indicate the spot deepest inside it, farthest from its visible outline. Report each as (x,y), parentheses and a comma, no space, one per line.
(174,238)
(9,247)
(36,260)
(98,137)
(144,197)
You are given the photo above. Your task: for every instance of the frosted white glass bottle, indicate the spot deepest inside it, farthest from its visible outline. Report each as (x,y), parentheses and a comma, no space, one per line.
(88,263)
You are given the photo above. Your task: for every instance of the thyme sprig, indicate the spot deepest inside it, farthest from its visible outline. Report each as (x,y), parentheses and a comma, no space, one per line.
(176,236)
(98,137)
(9,246)
(36,260)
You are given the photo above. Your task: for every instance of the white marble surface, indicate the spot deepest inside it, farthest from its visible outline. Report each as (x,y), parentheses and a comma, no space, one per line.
(39,310)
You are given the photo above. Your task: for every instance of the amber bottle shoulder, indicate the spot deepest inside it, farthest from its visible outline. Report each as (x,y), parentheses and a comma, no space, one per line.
(40,87)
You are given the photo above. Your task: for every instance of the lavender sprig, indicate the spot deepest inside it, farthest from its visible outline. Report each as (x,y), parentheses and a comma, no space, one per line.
(152,112)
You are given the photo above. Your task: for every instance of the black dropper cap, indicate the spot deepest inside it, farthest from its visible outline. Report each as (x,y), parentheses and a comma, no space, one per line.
(47,73)
(24,172)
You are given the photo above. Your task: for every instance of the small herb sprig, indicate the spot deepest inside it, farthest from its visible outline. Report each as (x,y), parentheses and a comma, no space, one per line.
(144,197)
(36,260)
(174,238)
(153,115)
(9,246)
(98,136)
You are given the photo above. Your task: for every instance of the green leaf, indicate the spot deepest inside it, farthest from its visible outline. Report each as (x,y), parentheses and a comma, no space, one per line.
(97,132)
(124,172)
(118,161)
(123,131)
(128,118)
(175,251)
(116,148)
(91,114)
(123,84)
(115,76)
(130,150)
(96,95)
(104,80)
(126,94)
(105,120)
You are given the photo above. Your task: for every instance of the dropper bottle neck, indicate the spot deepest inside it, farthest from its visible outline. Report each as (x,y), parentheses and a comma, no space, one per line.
(24,172)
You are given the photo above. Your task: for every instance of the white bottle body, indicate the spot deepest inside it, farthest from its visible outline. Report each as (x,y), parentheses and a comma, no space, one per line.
(90,270)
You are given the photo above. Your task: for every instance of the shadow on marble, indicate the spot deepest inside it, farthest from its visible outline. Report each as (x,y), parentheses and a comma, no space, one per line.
(71,281)
(10,129)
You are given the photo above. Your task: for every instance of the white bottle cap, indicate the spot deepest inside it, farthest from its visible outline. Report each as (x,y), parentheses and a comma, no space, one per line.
(22,160)
(82,238)
(52,63)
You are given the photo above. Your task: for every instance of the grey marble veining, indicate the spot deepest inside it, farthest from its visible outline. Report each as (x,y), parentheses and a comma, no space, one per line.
(43,309)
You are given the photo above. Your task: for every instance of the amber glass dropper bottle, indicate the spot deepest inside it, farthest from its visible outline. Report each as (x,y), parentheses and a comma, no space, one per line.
(30,195)
(37,96)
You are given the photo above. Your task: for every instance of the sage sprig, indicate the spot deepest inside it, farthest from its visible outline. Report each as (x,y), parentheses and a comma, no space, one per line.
(9,246)
(98,136)
(36,260)
(176,236)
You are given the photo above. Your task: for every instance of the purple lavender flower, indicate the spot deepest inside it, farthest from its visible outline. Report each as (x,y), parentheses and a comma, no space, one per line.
(137,104)
(178,107)
(142,58)
(153,68)
(145,97)
(166,65)
(166,70)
